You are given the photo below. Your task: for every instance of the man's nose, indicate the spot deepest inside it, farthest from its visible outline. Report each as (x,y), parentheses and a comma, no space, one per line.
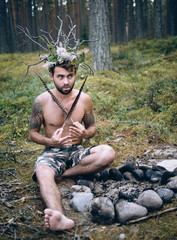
(65,80)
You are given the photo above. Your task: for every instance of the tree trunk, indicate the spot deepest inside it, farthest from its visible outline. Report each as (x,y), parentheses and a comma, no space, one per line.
(12,33)
(101,34)
(131,21)
(172,17)
(157,19)
(3,27)
(35,21)
(91,29)
(121,33)
(29,9)
(139,19)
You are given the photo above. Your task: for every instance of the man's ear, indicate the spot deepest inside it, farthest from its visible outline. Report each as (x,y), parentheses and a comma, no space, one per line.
(51,76)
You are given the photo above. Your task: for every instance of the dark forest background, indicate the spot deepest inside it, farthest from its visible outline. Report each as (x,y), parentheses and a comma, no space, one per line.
(128,20)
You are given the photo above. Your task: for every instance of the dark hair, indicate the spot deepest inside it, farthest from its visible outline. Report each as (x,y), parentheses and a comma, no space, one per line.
(66,65)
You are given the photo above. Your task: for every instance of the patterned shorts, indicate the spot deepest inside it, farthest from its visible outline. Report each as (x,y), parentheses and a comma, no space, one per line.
(61,159)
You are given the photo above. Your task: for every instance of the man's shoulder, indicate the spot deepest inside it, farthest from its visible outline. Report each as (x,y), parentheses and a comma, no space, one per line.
(42,98)
(85,96)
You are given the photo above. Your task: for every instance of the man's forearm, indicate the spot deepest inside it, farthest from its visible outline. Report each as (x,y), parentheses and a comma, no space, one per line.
(39,138)
(90,132)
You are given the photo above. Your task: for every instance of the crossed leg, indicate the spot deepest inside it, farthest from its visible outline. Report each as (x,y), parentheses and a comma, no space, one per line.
(100,156)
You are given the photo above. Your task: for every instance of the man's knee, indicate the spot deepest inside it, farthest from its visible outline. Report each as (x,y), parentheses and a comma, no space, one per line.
(106,155)
(44,172)
(109,154)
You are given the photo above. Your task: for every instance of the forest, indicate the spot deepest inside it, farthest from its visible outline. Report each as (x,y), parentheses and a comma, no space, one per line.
(126,20)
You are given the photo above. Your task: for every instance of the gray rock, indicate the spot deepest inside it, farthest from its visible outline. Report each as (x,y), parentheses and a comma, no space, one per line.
(165,194)
(127,176)
(115,174)
(168,164)
(169,152)
(81,201)
(155,177)
(127,167)
(80,188)
(172,184)
(150,199)
(138,174)
(127,210)
(102,210)
(86,183)
(98,188)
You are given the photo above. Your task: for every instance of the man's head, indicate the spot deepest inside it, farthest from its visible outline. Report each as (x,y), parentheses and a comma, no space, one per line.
(67,66)
(64,76)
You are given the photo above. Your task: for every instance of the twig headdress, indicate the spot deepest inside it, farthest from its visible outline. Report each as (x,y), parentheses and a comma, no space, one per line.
(64,49)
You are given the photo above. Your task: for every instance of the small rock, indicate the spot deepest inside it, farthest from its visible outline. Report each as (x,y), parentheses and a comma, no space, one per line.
(128,167)
(155,177)
(81,201)
(102,210)
(165,194)
(150,199)
(172,184)
(115,174)
(121,236)
(169,164)
(158,168)
(104,175)
(85,182)
(127,210)
(127,176)
(80,188)
(138,174)
(165,176)
(148,174)
(125,196)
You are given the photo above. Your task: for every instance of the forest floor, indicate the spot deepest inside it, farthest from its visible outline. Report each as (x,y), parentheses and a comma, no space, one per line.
(137,101)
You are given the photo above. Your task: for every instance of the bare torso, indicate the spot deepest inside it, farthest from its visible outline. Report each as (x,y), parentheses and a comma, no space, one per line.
(54,117)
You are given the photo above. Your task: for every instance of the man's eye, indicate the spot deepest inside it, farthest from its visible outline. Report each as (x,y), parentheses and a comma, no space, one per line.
(60,76)
(70,75)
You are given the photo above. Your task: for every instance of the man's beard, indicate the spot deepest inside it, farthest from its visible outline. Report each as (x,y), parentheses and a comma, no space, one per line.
(64,92)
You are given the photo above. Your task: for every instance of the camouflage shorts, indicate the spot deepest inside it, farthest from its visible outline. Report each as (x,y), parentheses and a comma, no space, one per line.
(60,159)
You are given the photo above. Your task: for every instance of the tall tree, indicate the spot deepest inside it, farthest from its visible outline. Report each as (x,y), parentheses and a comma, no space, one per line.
(30,27)
(113,21)
(121,31)
(35,20)
(91,24)
(139,19)
(157,19)
(101,34)
(172,17)
(3,27)
(11,33)
(131,21)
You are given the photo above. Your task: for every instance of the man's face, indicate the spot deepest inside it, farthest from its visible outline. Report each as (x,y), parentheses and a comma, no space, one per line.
(64,80)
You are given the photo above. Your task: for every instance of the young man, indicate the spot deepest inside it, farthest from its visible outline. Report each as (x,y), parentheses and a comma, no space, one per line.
(64,155)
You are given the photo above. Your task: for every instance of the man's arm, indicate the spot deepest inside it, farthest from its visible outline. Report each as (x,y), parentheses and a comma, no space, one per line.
(36,122)
(78,130)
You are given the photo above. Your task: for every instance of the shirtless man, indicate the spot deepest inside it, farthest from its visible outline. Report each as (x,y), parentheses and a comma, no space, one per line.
(64,155)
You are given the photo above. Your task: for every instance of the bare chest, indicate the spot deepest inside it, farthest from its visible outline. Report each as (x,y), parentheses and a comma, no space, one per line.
(54,116)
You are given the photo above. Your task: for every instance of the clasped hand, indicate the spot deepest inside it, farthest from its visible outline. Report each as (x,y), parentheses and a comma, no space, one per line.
(76,132)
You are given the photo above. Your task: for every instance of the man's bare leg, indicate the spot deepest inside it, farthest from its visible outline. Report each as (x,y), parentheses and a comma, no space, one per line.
(54,215)
(100,157)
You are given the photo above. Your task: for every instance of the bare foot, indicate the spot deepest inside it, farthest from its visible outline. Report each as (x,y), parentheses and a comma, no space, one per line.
(56,221)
